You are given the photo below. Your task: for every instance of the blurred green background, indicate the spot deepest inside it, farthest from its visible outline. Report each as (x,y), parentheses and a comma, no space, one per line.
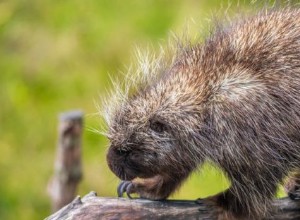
(56,56)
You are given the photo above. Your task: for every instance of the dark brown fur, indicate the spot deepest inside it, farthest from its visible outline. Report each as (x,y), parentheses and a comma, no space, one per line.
(235,101)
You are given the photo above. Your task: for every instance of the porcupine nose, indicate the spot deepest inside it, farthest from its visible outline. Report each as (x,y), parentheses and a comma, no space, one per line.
(119,163)
(115,161)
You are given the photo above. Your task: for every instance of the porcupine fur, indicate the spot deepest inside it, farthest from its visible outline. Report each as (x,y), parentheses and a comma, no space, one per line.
(233,100)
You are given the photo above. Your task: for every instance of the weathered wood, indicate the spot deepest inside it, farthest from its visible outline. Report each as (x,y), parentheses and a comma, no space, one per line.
(62,187)
(93,207)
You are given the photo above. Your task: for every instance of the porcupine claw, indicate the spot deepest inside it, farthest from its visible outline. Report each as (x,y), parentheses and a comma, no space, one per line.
(199,201)
(292,188)
(294,194)
(203,203)
(125,186)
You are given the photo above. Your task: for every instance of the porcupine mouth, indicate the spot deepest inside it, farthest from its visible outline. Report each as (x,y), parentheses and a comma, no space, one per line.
(127,174)
(126,170)
(123,175)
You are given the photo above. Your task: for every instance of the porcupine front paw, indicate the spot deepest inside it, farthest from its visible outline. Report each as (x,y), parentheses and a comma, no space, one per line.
(153,188)
(145,188)
(125,187)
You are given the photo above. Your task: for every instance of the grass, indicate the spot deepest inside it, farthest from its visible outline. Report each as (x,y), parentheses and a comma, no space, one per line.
(56,56)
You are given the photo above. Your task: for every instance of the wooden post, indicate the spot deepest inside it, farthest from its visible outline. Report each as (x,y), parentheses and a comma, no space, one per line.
(68,173)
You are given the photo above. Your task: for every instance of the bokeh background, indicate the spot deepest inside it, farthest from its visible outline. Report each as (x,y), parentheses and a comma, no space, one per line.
(57,56)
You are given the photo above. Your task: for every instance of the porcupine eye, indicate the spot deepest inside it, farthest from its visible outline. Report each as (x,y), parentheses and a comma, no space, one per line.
(158,126)
(122,152)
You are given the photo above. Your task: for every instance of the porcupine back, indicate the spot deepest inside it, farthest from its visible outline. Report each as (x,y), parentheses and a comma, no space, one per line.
(253,74)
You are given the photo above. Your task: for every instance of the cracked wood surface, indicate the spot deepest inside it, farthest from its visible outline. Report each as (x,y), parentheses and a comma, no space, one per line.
(93,207)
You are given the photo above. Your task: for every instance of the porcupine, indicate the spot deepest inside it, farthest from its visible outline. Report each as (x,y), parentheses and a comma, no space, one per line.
(233,99)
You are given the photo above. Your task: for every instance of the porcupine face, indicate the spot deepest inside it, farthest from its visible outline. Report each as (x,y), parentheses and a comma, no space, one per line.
(150,133)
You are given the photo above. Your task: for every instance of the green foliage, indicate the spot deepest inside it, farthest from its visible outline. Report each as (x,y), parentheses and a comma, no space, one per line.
(56,56)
